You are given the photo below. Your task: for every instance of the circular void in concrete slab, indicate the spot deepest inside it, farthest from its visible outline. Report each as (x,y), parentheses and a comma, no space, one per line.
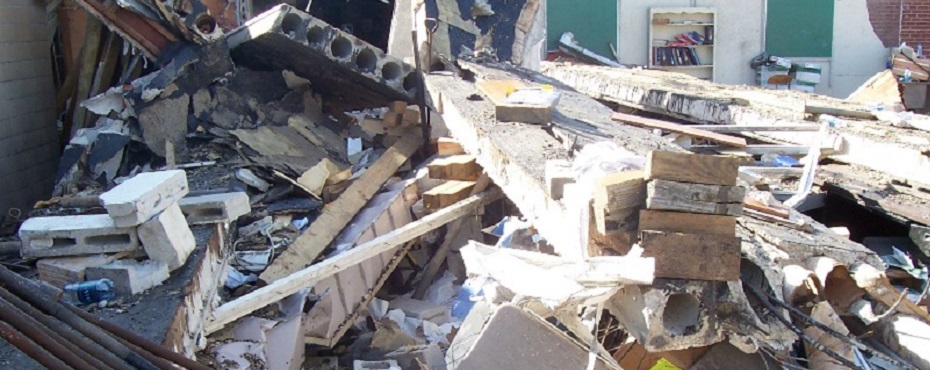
(316,35)
(410,82)
(390,71)
(205,23)
(341,47)
(682,314)
(291,23)
(366,60)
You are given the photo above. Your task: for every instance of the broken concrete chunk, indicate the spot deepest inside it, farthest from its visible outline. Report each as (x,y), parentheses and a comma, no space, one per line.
(75,236)
(410,357)
(167,238)
(215,208)
(247,176)
(419,309)
(558,173)
(670,315)
(143,196)
(65,270)
(375,365)
(130,276)
(164,120)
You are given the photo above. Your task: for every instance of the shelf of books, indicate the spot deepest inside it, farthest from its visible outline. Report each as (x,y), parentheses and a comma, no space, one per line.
(682,40)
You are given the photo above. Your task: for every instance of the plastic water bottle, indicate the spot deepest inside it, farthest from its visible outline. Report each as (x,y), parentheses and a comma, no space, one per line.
(907,75)
(920,50)
(92,291)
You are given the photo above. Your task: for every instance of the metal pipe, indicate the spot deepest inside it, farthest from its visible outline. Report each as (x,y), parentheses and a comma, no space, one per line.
(137,340)
(30,348)
(104,359)
(42,336)
(29,291)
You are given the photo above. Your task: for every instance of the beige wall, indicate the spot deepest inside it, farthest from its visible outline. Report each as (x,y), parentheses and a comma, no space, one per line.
(28,134)
(858,54)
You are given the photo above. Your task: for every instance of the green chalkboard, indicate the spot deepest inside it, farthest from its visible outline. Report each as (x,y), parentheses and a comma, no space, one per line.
(594,23)
(799,28)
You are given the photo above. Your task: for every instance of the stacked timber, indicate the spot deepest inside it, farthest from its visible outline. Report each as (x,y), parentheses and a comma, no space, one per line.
(689,220)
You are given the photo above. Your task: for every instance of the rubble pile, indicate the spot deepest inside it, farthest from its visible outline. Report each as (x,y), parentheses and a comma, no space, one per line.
(274,192)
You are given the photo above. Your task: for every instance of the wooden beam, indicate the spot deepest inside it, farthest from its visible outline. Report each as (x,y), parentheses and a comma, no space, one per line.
(89,52)
(687,223)
(763,149)
(460,167)
(693,256)
(429,273)
(448,146)
(838,111)
(695,168)
(446,194)
(740,128)
(339,213)
(679,129)
(695,198)
(298,280)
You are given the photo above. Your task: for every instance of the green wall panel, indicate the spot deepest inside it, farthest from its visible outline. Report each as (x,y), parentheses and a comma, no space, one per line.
(594,23)
(800,28)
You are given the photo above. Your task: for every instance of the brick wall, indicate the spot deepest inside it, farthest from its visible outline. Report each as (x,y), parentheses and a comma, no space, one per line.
(896,21)
(915,23)
(28,135)
(885,16)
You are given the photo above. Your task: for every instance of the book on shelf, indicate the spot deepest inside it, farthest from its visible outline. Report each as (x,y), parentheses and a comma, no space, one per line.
(675,56)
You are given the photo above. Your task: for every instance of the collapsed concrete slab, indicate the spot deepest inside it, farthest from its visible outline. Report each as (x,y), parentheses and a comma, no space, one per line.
(75,236)
(509,337)
(215,208)
(339,65)
(142,197)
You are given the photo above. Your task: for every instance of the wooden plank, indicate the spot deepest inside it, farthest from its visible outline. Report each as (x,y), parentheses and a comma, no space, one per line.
(462,167)
(762,149)
(695,168)
(620,191)
(448,146)
(292,283)
(687,223)
(336,215)
(815,108)
(447,194)
(693,256)
(89,54)
(756,205)
(497,90)
(679,129)
(741,128)
(695,198)
(432,268)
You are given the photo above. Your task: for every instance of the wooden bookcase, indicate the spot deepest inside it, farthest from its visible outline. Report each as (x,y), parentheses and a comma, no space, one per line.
(667,23)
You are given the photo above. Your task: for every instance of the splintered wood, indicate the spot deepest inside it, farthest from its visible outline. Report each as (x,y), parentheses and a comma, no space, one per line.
(336,215)
(447,194)
(688,224)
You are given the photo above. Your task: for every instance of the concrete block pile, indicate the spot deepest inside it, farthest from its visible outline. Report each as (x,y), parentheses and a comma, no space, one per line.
(142,238)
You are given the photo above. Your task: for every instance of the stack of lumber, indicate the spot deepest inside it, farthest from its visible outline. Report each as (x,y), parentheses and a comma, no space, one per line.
(689,222)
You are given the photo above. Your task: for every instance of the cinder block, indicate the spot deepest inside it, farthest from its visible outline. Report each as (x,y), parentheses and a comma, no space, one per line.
(215,208)
(375,365)
(167,238)
(130,276)
(142,197)
(671,314)
(75,236)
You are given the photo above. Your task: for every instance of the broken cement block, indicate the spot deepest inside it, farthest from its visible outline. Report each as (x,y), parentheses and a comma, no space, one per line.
(375,365)
(215,208)
(336,63)
(509,337)
(75,236)
(671,314)
(62,271)
(419,309)
(140,198)
(130,276)
(410,357)
(167,238)
(558,173)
